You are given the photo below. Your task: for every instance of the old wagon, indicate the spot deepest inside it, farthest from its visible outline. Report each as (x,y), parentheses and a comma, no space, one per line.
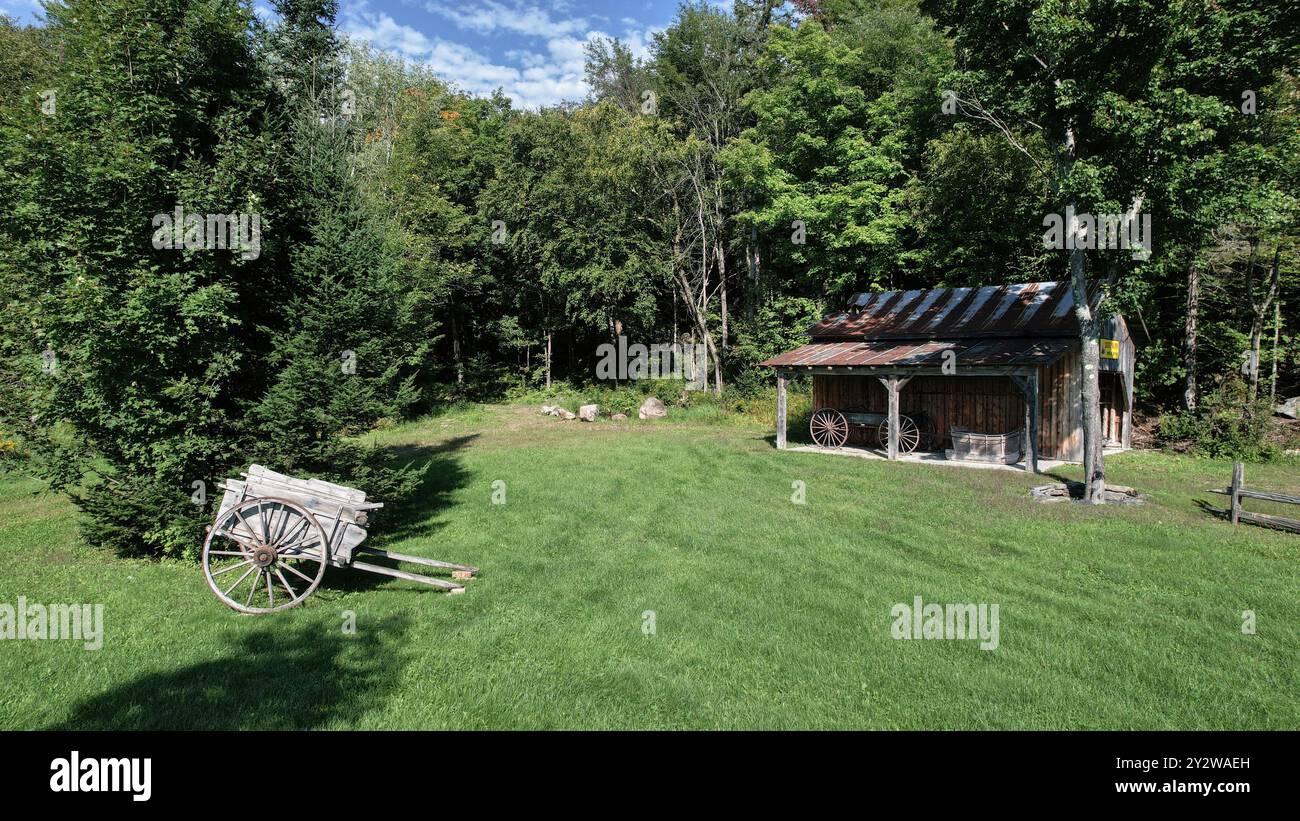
(274,535)
(830,427)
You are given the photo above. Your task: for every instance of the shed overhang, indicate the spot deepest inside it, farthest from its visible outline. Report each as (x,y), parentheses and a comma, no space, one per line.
(922,354)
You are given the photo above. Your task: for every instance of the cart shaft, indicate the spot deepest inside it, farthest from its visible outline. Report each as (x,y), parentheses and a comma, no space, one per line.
(410,577)
(402,557)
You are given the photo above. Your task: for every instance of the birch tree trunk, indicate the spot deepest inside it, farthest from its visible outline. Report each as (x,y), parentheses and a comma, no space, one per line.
(721,257)
(1094,479)
(455,346)
(1190,330)
(1277,341)
(1259,309)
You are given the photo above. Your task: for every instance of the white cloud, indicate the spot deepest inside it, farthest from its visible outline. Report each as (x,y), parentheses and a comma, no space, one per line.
(542,74)
(490,16)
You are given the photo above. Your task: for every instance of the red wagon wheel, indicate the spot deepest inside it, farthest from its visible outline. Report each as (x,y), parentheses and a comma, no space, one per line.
(265,555)
(909,434)
(829,428)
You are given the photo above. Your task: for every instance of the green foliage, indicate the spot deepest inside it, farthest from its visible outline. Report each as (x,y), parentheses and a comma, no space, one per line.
(830,149)
(171,367)
(156,107)
(1226,425)
(452,248)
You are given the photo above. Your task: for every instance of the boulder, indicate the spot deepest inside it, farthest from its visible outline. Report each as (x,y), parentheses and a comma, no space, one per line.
(548,410)
(588,413)
(619,417)
(563,414)
(1290,408)
(652,408)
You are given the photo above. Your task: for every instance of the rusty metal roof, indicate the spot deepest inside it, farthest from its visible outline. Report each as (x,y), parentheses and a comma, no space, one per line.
(926,354)
(1029,309)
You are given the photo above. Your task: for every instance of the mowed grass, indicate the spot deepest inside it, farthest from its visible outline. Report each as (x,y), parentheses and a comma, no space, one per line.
(767,614)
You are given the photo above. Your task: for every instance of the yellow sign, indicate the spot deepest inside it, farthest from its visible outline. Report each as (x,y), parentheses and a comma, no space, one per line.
(1110,349)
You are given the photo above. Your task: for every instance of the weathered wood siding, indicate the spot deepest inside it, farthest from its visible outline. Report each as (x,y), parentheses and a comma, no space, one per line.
(1061,385)
(1113,405)
(985,404)
(989,404)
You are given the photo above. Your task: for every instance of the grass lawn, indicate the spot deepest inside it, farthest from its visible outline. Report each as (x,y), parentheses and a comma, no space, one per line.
(768,614)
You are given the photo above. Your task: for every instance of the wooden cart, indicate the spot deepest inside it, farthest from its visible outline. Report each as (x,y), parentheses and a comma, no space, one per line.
(830,427)
(273,536)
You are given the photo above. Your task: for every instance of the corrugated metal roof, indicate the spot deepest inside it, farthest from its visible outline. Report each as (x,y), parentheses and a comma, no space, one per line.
(1028,309)
(928,353)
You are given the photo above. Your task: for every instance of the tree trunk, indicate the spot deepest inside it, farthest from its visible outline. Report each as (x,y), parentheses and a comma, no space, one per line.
(548,360)
(1277,341)
(700,319)
(455,346)
(1190,329)
(752,261)
(1094,478)
(721,257)
(1259,308)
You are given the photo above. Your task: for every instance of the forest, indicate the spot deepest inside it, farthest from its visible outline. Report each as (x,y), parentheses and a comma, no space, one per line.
(225,240)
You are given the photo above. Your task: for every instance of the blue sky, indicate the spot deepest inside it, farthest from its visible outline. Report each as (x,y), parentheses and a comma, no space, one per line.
(532,49)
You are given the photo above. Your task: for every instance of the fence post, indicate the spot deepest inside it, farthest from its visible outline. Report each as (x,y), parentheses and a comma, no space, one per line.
(780,411)
(1238,479)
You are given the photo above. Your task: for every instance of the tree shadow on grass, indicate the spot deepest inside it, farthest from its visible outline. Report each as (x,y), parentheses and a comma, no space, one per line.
(415,515)
(273,677)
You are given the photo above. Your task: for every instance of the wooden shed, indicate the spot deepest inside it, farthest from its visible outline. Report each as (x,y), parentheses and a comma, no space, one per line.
(991,359)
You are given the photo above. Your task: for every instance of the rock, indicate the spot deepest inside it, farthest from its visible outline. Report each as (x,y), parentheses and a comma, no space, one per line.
(548,410)
(1290,408)
(652,408)
(1073,491)
(565,415)
(619,417)
(588,413)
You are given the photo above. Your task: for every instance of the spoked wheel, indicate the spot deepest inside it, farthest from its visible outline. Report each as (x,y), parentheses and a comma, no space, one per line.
(265,555)
(829,428)
(909,434)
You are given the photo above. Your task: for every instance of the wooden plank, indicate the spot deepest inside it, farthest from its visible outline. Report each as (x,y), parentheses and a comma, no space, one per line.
(1031,421)
(1238,479)
(1269,496)
(402,557)
(780,410)
(1279,522)
(410,577)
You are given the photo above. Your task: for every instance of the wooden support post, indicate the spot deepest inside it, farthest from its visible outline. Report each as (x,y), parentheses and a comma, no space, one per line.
(1031,421)
(1126,427)
(1238,479)
(891,384)
(780,411)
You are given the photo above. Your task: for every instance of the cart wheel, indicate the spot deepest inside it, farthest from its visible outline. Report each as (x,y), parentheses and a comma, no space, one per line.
(909,435)
(265,552)
(829,428)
